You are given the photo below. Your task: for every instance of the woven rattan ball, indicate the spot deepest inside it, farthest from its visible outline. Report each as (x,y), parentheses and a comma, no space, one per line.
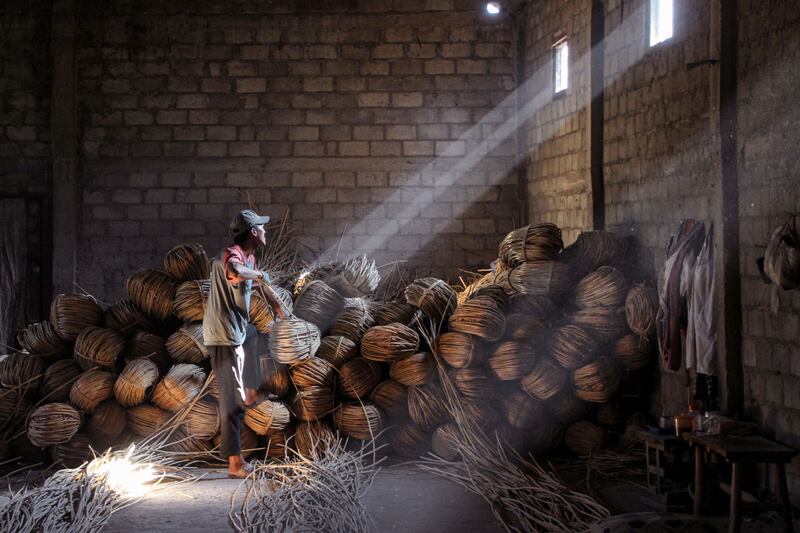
(358,377)
(392,398)
(91,388)
(98,348)
(293,340)
(540,307)
(632,352)
(537,242)
(591,250)
(180,386)
(545,380)
(311,437)
(22,370)
(190,300)
(146,419)
(136,382)
(151,346)
(641,308)
(312,403)
(358,277)
(107,422)
(433,296)
(274,376)
(202,419)
(408,440)
(511,360)
(74,452)
(126,319)
(416,369)
(585,438)
(427,406)
(480,316)
(606,324)
(394,312)
(41,339)
(352,323)
(53,423)
(337,350)
(71,313)
(187,262)
(541,278)
(267,417)
(186,345)
(473,383)
(385,344)
(313,371)
(496,293)
(598,381)
(360,421)
(58,379)
(444,442)
(524,412)
(153,291)
(605,287)
(461,350)
(319,304)
(572,346)
(521,327)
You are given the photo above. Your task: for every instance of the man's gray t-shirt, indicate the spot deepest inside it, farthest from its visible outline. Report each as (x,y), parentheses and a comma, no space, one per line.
(228,308)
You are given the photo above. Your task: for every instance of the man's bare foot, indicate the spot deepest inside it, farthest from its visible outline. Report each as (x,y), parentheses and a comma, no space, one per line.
(238,468)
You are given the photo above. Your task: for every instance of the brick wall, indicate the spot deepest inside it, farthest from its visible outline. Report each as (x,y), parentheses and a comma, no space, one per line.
(559,183)
(357,116)
(24,95)
(769,74)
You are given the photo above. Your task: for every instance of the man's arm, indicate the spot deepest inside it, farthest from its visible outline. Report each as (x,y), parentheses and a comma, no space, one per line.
(237,270)
(272,299)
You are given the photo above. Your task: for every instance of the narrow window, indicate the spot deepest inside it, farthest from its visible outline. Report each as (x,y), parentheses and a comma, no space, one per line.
(561,63)
(660,21)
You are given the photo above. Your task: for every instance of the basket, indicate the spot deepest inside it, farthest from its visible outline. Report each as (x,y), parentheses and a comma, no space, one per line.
(605,323)
(358,277)
(351,323)
(312,403)
(267,417)
(358,377)
(416,369)
(319,304)
(91,388)
(433,296)
(22,370)
(126,319)
(584,438)
(474,384)
(391,312)
(540,307)
(274,376)
(426,406)
(310,437)
(392,398)
(292,341)
(98,348)
(179,387)
(71,313)
(479,316)
(313,371)
(567,407)
(511,360)
(591,250)
(545,381)
(524,412)
(187,262)
(597,382)
(337,350)
(605,287)
(408,440)
(41,339)
(444,442)
(136,382)
(186,345)
(150,346)
(537,242)
(146,419)
(58,380)
(261,314)
(572,346)
(74,452)
(461,350)
(107,422)
(541,278)
(385,344)
(153,291)
(190,300)
(641,308)
(632,352)
(53,423)
(358,421)
(523,327)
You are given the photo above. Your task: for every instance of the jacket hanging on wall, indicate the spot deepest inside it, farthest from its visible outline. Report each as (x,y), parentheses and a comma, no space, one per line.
(701,333)
(681,252)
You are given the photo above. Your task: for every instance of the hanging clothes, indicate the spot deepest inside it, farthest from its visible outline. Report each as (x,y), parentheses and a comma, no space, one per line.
(701,333)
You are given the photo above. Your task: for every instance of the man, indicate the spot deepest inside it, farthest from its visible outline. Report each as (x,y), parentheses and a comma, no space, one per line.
(225,331)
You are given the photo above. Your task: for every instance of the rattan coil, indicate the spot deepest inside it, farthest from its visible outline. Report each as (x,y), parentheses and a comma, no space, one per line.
(150,346)
(479,316)
(126,319)
(274,376)
(511,360)
(12,405)
(58,379)
(433,296)
(416,369)
(613,413)
(461,350)
(358,277)
(632,352)
(604,323)
(598,381)
(190,300)
(408,440)
(187,262)
(523,411)
(591,250)
(572,346)
(358,377)
(392,398)
(358,421)
(153,291)
(136,382)
(41,339)
(541,278)
(537,242)
(585,438)
(310,437)
(22,370)
(277,447)
(319,304)
(261,314)
(98,348)
(312,403)
(540,307)
(186,345)
(567,407)
(146,419)
(267,417)
(523,327)
(385,344)
(444,442)
(394,312)
(313,371)
(74,452)
(605,287)
(71,313)
(352,323)
(292,341)
(53,423)
(180,386)
(641,308)
(337,350)
(473,383)
(426,406)
(545,380)
(496,293)
(107,423)
(91,388)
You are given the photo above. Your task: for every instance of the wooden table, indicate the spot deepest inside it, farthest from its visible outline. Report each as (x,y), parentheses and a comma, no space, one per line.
(739,451)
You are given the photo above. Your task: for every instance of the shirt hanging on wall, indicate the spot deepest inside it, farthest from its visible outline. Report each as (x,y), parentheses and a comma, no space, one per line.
(701,334)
